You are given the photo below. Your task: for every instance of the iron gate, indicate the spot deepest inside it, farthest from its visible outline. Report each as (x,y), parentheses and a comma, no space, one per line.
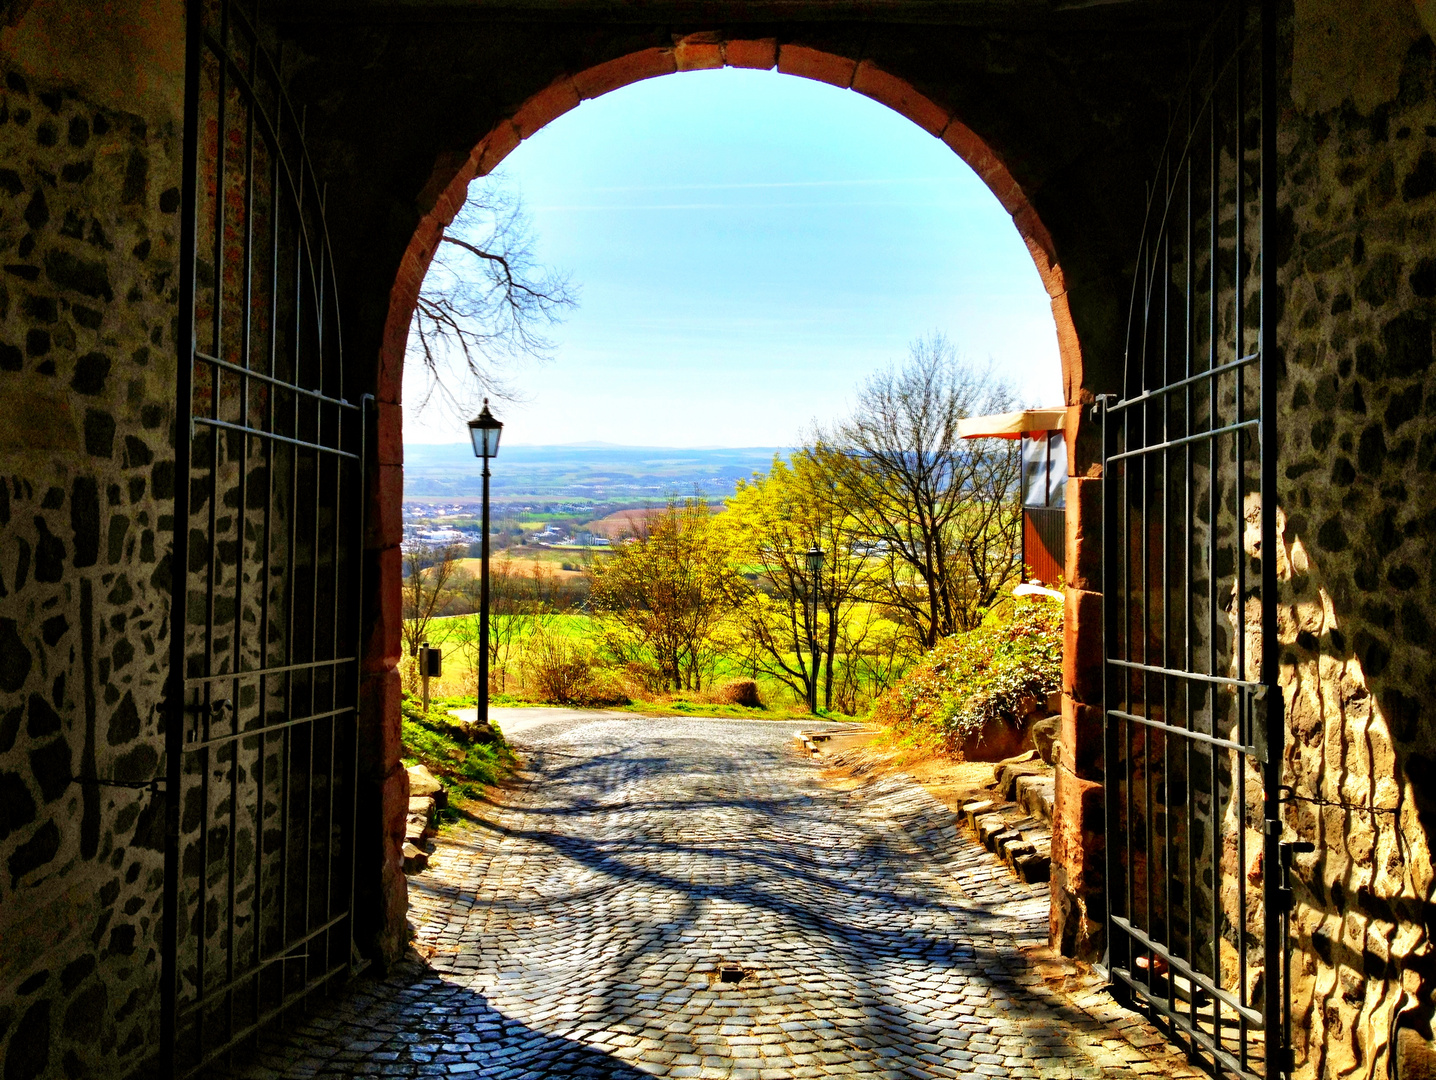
(1193,712)
(260,727)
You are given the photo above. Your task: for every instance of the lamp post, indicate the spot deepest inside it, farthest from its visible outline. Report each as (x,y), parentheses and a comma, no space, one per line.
(484,430)
(815,568)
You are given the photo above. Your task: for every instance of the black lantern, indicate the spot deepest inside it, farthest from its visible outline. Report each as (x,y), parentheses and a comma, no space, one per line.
(485,431)
(815,561)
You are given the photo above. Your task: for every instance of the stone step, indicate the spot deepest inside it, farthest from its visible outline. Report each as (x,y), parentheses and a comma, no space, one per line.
(1019,832)
(1037,795)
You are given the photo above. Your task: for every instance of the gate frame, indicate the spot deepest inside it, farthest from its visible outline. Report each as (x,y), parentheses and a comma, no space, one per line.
(312,252)
(1268,714)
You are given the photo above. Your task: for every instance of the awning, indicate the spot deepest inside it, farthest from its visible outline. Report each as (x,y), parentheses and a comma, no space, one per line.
(1012,425)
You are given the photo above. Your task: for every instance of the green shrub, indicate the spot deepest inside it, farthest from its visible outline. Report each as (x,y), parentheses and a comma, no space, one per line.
(981,675)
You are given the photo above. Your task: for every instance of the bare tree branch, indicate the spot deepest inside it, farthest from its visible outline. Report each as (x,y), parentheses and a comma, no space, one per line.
(946,509)
(485,301)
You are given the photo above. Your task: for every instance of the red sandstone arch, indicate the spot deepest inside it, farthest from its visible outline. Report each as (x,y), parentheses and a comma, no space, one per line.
(1076,849)
(447,188)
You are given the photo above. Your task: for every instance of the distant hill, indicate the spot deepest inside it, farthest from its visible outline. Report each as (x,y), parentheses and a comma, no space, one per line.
(596,471)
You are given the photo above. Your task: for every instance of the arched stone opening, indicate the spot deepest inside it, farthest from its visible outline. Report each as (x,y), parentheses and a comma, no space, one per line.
(444,195)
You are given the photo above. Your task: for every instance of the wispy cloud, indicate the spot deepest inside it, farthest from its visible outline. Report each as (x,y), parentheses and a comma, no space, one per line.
(551,208)
(783,184)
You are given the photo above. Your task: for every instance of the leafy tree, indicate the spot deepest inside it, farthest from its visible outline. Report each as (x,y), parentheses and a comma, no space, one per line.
(943,511)
(485,300)
(663,594)
(773,520)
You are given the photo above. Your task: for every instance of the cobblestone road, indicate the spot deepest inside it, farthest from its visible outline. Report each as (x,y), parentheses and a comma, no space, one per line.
(582,929)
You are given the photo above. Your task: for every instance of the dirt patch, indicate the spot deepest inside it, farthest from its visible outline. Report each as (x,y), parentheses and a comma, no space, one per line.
(947,780)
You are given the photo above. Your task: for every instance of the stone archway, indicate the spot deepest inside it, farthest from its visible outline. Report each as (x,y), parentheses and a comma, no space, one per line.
(444,195)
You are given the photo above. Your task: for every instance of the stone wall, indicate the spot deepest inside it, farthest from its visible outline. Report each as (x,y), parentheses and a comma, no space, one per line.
(88,214)
(1357,489)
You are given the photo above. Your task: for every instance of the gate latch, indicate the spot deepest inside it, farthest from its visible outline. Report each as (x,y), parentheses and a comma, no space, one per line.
(1285,898)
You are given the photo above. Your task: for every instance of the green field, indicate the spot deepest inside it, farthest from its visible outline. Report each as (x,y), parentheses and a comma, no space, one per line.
(779,699)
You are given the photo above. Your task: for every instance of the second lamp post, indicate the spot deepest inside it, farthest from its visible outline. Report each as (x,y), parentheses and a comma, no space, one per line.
(484,430)
(815,570)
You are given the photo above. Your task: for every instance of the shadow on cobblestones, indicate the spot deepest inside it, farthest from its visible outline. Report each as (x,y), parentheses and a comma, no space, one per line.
(415,1023)
(575,927)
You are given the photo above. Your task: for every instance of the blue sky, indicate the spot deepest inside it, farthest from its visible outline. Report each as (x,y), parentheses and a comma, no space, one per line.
(747,247)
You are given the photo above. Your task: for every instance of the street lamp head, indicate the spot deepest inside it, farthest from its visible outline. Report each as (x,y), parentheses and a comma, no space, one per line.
(485,430)
(815,560)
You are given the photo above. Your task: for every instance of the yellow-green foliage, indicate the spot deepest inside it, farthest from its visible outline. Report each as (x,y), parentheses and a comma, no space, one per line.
(983,674)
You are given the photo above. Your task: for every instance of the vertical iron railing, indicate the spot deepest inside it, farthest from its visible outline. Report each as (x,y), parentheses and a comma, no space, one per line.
(1193,710)
(262,702)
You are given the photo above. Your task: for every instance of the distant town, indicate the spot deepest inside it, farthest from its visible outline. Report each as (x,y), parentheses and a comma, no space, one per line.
(458,523)
(563,497)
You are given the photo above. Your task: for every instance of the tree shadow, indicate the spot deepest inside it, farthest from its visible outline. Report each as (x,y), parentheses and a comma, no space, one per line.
(414,1022)
(643,889)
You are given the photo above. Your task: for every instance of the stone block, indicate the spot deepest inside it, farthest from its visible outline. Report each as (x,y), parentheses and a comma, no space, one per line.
(389,434)
(384,523)
(447,165)
(1069,346)
(635,67)
(815,64)
(900,96)
(1076,924)
(422,782)
(1078,830)
(988,826)
(1037,795)
(760,54)
(1082,747)
(1044,255)
(548,104)
(1082,646)
(973,810)
(497,145)
(698,52)
(380,736)
(1033,868)
(415,858)
(1008,774)
(383,638)
(1084,533)
(1046,734)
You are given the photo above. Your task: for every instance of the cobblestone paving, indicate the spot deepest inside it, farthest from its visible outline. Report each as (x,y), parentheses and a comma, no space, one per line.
(580,929)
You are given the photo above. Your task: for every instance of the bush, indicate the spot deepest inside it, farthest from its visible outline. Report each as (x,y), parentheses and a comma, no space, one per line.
(557,669)
(740,692)
(609,687)
(984,674)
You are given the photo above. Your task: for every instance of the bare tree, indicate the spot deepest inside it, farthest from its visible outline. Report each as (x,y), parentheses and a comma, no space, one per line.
(485,300)
(943,511)
(429,574)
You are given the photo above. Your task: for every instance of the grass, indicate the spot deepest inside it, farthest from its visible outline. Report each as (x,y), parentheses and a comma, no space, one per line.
(462,763)
(779,699)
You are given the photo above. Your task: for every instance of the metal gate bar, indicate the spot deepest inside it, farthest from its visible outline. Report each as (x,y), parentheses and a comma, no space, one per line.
(261,764)
(1193,723)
